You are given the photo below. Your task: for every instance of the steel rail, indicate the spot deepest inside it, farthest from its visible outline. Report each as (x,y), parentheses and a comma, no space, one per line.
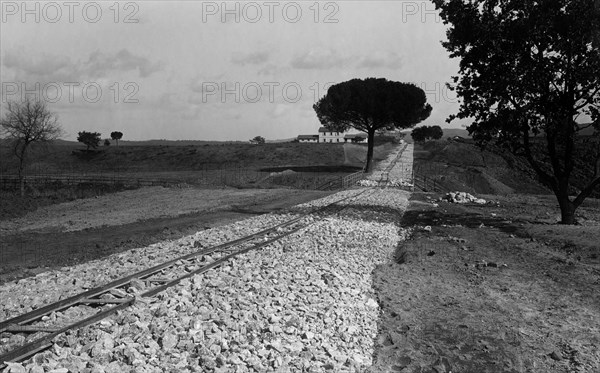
(385,174)
(16,324)
(78,298)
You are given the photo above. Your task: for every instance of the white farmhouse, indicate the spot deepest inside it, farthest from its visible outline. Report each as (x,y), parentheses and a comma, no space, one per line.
(326,135)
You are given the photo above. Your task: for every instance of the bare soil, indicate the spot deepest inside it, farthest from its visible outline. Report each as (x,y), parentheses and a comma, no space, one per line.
(139,204)
(500,287)
(491,288)
(82,230)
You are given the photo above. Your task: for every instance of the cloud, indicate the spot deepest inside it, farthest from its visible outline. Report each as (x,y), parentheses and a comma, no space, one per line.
(100,63)
(318,59)
(253,58)
(39,66)
(42,67)
(390,60)
(55,68)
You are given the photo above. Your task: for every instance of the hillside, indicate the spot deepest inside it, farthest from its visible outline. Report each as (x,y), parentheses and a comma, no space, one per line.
(237,165)
(461,165)
(65,157)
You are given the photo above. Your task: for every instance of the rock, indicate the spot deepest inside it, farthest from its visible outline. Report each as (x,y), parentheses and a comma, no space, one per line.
(31,368)
(113,367)
(274,319)
(556,355)
(276,345)
(462,197)
(308,335)
(296,346)
(372,303)
(138,285)
(168,341)
(14,368)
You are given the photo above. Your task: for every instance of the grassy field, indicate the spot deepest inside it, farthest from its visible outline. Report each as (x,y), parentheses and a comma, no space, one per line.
(61,158)
(210,165)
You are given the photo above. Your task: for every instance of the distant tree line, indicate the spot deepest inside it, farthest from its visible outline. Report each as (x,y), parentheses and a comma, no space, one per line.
(92,139)
(258,140)
(424,133)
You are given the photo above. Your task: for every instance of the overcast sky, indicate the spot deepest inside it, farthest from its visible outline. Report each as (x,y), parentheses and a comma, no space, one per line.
(214,70)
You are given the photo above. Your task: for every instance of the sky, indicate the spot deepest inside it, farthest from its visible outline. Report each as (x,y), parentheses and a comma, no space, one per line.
(214,70)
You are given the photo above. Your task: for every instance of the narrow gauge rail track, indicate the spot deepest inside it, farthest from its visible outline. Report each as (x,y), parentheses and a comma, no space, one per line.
(385,174)
(117,295)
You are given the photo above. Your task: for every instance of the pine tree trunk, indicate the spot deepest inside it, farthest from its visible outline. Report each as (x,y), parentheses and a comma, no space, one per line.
(370,143)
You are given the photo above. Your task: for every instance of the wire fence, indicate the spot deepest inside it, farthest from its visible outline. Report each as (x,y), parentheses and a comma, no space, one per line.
(208,177)
(428,183)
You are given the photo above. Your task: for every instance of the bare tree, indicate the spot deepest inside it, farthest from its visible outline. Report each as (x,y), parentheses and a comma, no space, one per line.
(25,123)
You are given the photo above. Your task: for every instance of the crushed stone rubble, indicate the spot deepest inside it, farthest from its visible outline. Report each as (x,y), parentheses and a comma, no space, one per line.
(463,197)
(30,293)
(303,303)
(389,183)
